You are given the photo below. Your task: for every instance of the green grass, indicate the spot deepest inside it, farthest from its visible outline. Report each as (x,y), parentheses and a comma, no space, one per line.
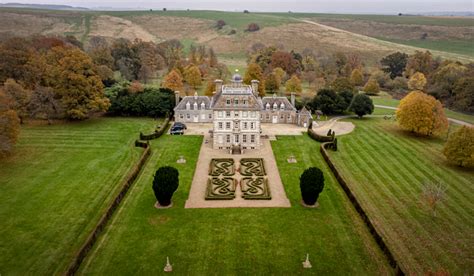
(463,47)
(237,20)
(386,169)
(234,241)
(55,186)
(392,19)
(386,100)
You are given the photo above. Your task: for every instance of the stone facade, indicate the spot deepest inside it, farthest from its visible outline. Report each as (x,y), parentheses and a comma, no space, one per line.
(236,112)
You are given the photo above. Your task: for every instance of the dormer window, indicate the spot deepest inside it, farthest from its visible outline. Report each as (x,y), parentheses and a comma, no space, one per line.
(195,106)
(227,102)
(236,102)
(282,106)
(275,106)
(203,106)
(267,107)
(188,106)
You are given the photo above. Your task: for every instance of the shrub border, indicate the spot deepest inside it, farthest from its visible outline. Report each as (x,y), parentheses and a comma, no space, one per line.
(353,199)
(125,186)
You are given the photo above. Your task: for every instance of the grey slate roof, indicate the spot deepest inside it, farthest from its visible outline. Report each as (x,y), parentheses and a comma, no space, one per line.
(194,99)
(305,111)
(278,100)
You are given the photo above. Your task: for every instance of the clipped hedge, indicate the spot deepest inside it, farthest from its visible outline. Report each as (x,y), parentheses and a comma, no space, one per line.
(320,138)
(113,205)
(157,133)
(355,202)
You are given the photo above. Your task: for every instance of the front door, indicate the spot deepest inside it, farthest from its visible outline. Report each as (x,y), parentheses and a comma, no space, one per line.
(275,119)
(196,118)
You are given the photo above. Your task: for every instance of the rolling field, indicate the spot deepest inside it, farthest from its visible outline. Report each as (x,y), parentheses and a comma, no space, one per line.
(55,186)
(463,47)
(385,169)
(235,241)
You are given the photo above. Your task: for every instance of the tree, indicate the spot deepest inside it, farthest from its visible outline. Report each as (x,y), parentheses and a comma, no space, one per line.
(421,114)
(43,104)
(420,62)
(459,149)
(9,125)
(432,194)
(279,73)
(329,102)
(464,94)
(357,78)
(210,88)
(253,27)
(293,85)
(417,82)
(342,84)
(173,81)
(362,105)
(371,87)
(254,72)
(192,75)
(165,183)
(20,98)
(212,58)
(394,64)
(285,61)
(311,185)
(75,81)
(272,83)
(443,80)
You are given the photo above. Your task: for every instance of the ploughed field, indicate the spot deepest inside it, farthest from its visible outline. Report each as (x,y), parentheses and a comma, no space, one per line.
(386,168)
(56,186)
(235,240)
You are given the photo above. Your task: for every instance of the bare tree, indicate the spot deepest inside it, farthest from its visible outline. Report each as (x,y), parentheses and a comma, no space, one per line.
(432,194)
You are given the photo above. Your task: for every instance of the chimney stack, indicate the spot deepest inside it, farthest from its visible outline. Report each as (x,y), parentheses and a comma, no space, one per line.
(255,87)
(293,99)
(218,84)
(176,98)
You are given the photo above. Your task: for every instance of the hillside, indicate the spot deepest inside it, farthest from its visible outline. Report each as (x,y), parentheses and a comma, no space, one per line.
(323,33)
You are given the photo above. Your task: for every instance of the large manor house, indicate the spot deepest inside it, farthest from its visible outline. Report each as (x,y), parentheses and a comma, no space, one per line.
(236,112)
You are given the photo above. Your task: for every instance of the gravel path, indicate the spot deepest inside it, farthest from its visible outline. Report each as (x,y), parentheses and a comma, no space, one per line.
(456,121)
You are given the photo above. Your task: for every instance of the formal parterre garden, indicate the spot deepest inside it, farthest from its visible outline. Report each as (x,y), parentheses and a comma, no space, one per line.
(59,181)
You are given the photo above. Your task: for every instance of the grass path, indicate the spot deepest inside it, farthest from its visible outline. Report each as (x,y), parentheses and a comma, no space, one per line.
(55,186)
(386,169)
(234,241)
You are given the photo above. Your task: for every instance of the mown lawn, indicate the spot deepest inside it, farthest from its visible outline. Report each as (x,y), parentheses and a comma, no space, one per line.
(55,186)
(386,169)
(234,241)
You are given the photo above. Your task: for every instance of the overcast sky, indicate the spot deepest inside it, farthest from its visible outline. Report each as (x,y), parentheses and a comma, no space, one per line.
(342,6)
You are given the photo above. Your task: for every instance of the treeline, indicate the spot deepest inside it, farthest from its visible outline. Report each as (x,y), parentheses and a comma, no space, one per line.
(46,77)
(449,81)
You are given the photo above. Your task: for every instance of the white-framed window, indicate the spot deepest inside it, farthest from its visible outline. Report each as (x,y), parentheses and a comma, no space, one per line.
(244,138)
(227,102)
(227,125)
(252,114)
(195,106)
(203,106)
(236,114)
(252,125)
(227,138)
(268,117)
(227,114)
(236,138)
(282,106)
(252,138)
(219,114)
(245,125)
(219,125)
(267,107)
(188,116)
(275,106)
(188,106)
(281,116)
(244,114)
(181,116)
(236,101)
